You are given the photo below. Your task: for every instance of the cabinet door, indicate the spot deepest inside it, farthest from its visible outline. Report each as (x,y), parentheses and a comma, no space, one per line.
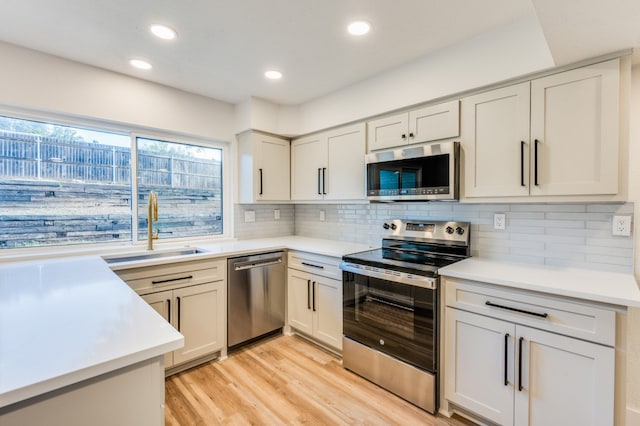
(201,318)
(344,178)
(273,174)
(565,381)
(435,122)
(388,132)
(327,307)
(495,142)
(574,119)
(309,162)
(479,364)
(299,309)
(161,302)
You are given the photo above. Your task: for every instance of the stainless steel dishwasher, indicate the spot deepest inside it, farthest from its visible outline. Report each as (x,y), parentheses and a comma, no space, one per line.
(256,296)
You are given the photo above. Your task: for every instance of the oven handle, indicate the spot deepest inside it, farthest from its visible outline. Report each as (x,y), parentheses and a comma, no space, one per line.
(428,283)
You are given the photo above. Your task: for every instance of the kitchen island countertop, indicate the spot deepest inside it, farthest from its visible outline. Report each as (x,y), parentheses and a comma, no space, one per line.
(63,321)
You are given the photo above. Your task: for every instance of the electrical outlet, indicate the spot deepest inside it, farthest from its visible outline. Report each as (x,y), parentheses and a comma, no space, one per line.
(621,226)
(499,221)
(250,216)
(276,214)
(322,216)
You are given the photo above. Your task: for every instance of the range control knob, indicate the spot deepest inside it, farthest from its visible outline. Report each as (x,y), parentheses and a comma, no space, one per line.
(393,227)
(385,226)
(449,230)
(459,230)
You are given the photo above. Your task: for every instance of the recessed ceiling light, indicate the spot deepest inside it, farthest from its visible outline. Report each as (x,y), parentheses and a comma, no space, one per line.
(358,28)
(140,64)
(273,75)
(163,32)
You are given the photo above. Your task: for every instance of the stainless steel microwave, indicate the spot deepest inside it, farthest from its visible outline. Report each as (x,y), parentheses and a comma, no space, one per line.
(414,173)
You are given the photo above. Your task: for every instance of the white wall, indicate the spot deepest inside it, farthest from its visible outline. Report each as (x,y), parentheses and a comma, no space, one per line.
(515,50)
(33,80)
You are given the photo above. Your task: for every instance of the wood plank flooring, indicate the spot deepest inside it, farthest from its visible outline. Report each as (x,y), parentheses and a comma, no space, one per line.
(285,380)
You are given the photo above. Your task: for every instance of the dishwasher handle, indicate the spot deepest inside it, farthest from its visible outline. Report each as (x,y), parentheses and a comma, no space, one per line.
(241,266)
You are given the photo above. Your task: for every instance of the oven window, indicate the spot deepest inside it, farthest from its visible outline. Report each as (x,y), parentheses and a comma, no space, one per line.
(396,319)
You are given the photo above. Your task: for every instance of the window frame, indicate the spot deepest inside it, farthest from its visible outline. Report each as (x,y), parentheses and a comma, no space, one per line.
(132,131)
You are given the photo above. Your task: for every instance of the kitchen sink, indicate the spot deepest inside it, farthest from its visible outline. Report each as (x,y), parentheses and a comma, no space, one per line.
(151,255)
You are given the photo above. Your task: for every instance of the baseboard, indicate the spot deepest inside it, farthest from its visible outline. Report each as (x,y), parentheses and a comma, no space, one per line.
(633,417)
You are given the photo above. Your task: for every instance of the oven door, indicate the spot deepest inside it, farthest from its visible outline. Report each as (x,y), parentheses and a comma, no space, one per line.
(397,319)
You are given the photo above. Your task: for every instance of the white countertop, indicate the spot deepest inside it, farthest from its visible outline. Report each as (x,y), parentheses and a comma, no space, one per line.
(596,286)
(66,320)
(243,247)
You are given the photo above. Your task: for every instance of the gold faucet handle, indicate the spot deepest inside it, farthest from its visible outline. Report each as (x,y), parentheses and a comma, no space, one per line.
(156,235)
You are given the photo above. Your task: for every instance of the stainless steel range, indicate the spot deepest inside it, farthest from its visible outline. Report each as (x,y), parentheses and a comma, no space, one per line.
(390,306)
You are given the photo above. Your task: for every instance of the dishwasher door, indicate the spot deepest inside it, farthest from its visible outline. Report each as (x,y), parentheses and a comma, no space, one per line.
(256,296)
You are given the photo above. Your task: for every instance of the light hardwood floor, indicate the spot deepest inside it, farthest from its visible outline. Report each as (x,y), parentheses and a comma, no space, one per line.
(285,380)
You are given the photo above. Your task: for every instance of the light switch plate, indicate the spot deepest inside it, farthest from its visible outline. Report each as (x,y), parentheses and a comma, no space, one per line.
(322,216)
(276,214)
(250,216)
(499,221)
(621,226)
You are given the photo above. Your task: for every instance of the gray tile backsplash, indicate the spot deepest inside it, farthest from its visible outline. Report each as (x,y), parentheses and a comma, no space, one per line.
(571,235)
(265,224)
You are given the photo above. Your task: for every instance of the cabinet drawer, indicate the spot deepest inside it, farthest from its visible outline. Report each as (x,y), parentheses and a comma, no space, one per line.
(160,277)
(325,266)
(559,315)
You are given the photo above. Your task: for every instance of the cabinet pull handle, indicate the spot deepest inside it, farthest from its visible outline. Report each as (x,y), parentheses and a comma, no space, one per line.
(324,181)
(319,187)
(520,364)
(411,135)
(312,265)
(522,311)
(260,170)
(522,145)
(178,300)
(506,358)
(535,162)
(169,310)
(188,277)
(313,293)
(308,294)
(404,136)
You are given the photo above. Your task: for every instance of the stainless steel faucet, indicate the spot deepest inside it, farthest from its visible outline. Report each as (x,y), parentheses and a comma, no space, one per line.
(152,215)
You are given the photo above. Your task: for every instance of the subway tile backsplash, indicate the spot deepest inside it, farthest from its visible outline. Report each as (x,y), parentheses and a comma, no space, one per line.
(265,224)
(572,235)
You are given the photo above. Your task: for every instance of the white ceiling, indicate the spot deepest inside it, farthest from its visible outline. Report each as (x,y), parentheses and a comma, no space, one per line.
(224,46)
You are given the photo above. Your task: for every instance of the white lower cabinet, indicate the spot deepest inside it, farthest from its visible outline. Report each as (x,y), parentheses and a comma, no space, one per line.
(314,302)
(515,374)
(194,312)
(192,297)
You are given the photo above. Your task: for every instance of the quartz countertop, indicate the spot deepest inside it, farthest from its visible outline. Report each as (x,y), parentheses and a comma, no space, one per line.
(243,247)
(596,286)
(63,321)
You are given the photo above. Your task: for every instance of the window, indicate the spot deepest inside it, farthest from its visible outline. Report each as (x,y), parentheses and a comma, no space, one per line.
(63,185)
(188,182)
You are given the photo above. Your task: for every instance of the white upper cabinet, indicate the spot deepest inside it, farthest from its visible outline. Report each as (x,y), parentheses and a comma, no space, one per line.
(263,168)
(430,123)
(329,165)
(553,136)
(574,131)
(495,135)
